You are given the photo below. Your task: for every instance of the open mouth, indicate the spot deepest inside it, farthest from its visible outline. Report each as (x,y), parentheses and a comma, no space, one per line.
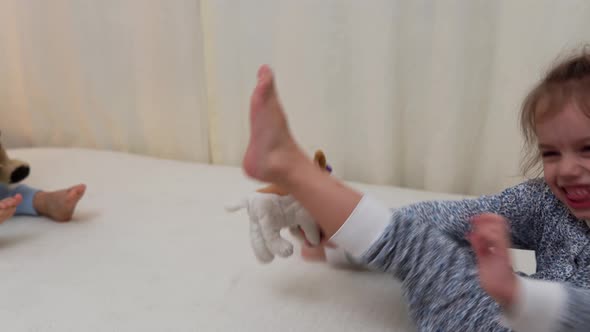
(578,197)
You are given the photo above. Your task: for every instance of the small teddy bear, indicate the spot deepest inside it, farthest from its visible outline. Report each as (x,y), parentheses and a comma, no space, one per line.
(12,170)
(272,209)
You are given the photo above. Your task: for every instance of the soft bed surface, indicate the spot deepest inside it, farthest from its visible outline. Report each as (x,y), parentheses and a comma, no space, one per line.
(152,249)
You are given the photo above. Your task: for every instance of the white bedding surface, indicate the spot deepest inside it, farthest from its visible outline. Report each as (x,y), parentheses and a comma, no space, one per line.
(152,249)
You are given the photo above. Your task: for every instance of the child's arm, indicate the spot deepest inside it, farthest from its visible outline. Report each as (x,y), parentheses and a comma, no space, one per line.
(549,306)
(576,313)
(520,205)
(538,306)
(528,304)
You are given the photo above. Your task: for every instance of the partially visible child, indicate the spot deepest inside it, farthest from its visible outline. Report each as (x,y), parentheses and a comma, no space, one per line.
(56,205)
(528,305)
(424,245)
(20,199)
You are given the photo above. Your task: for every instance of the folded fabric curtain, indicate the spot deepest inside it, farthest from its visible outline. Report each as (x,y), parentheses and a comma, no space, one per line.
(420,94)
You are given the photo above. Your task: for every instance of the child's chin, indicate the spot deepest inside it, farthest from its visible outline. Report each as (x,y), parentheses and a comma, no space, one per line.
(581,213)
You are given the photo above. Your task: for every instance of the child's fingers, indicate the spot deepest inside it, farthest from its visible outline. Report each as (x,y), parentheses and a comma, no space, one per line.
(18,198)
(8,210)
(498,236)
(11,202)
(493,228)
(496,221)
(325,242)
(490,241)
(491,234)
(480,245)
(7,203)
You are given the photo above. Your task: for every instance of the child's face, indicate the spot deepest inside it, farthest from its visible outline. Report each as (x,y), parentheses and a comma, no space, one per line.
(564,144)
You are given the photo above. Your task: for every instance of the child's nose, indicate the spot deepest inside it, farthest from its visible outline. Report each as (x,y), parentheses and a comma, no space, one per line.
(570,167)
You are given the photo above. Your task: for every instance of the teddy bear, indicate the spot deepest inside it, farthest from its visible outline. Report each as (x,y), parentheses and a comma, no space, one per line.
(12,170)
(272,209)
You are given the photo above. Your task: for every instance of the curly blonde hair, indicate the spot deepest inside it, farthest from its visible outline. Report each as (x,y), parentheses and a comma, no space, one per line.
(567,82)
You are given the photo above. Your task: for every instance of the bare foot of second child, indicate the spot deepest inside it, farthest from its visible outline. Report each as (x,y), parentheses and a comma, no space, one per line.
(59,205)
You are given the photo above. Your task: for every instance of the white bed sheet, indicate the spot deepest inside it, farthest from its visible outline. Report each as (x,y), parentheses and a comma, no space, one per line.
(152,249)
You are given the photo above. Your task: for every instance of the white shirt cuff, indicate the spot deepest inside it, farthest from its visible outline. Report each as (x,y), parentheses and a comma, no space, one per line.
(336,256)
(363,227)
(538,306)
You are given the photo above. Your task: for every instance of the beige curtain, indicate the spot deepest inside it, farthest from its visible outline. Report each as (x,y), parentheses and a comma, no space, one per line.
(125,75)
(422,94)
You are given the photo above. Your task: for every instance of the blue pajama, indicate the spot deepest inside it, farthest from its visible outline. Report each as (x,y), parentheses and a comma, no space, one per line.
(425,247)
(28,193)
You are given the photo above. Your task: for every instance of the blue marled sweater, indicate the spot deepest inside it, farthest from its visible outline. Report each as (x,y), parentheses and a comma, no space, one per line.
(424,246)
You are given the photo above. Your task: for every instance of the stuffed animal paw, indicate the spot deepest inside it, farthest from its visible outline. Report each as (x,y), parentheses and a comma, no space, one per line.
(269,214)
(272,209)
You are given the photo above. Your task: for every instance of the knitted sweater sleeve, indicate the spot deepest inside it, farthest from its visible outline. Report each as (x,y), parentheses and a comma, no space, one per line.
(520,205)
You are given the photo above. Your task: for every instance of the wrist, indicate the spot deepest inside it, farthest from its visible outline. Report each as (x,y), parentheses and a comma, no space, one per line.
(536,306)
(510,297)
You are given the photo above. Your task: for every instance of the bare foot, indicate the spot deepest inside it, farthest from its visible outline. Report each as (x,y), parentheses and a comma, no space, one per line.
(59,205)
(271,148)
(490,241)
(8,206)
(274,156)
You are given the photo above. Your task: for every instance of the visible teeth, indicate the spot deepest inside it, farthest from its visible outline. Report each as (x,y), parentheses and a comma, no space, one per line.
(577,193)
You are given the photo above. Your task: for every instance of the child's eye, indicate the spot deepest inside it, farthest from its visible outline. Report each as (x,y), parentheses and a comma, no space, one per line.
(547,154)
(586,148)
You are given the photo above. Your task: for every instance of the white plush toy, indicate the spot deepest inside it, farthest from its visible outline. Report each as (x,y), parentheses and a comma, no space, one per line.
(269,214)
(271,209)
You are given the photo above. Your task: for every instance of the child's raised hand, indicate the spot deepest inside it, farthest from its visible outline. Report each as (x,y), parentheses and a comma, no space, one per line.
(491,242)
(8,206)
